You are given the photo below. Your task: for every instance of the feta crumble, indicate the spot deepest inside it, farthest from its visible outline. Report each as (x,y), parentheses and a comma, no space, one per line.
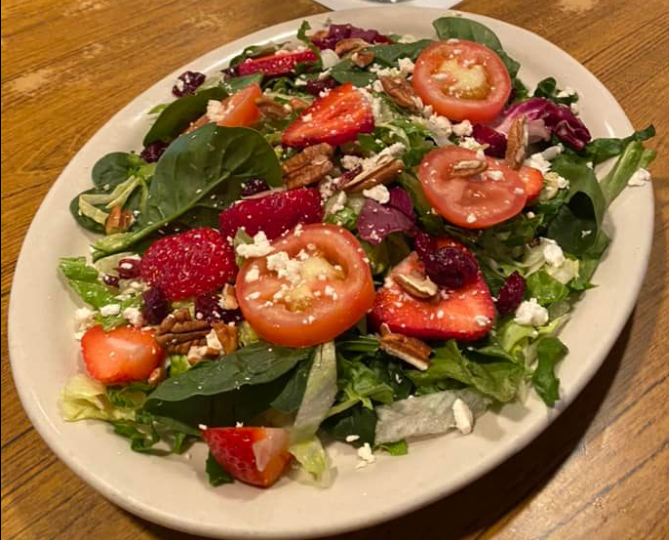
(252,275)
(366,456)
(462,414)
(213,342)
(110,309)
(339,202)
(463,129)
(471,218)
(83,318)
(134,316)
(352,438)
(470,143)
(639,178)
(552,252)
(530,313)
(406,65)
(378,193)
(259,248)
(216,111)
(284,266)
(329,58)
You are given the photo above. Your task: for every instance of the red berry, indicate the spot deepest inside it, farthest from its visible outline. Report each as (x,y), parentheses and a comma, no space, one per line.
(276,64)
(273,214)
(511,293)
(447,266)
(188,264)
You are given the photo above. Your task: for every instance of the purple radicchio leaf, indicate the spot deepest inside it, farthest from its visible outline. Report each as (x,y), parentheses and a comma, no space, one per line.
(543,118)
(401,200)
(495,140)
(377,221)
(337,32)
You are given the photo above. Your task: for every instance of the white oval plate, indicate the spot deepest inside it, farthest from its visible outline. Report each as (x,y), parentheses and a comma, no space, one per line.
(174,491)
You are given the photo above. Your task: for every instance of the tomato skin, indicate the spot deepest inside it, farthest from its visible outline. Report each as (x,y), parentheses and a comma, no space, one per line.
(326,316)
(533,181)
(432,91)
(473,202)
(242,110)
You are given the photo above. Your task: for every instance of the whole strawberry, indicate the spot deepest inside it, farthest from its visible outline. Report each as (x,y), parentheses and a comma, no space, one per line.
(188,264)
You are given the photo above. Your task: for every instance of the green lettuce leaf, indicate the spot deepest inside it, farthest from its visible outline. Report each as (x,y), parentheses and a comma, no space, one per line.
(550,350)
(85,398)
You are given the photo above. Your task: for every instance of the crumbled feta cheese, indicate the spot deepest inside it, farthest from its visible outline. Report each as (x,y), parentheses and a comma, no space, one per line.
(307,117)
(379,193)
(538,161)
(213,342)
(440,127)
(284,266)
(480,155)
(375,103)
(253,296)
(470,143)
(300,82)
(377,86)
(566,92)
(552,252)
(495,176)
(133,315)
(471,218)
(530,313)
(463,129)
(352,438)
(366,456)
(252,275)
(329,58)
(585,233)
(83,318)
(330,291)
(384,71)
(406,65)
(110,309)
(196,354)
(216,111)
(327,187)
(639,178)
(239,424)
(339,202)
(574,108)
(552,152)
(462,414)
(351,162)
(553,182)
(407,38)
(259,248)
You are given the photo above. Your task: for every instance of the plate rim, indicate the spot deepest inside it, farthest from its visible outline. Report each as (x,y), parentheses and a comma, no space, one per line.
(40,420)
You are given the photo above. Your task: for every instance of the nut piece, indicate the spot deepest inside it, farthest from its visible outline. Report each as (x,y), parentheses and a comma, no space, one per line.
(227,335)
(309,166)
(179,332)
(298,104)
(517,143)
(362,58)
(157,376)
(272,109)
(418,286)
(119,220)
(319,35)
(386,171)
(411,350)
(469,167)
(229,297)
(349,45)
(401,92)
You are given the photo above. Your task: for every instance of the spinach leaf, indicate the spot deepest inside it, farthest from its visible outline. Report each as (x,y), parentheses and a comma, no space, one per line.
(234,85)
(547,88)
(391,373)
(217,475)
(577,223)
(346,217)
(358,383)
(545,288)
(389,54)
(550,350)
(632,159)
(461,28)
(290,398)
(398,448)
(345,72)
(254,51)
(429,220)
(83,279)
(589,262)
(114,169)
(192,169)
(304,38)
(179,114)
(499,380)
(357,420)
(600,150)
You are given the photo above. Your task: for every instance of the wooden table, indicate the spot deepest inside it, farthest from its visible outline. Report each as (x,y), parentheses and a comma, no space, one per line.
(601,471)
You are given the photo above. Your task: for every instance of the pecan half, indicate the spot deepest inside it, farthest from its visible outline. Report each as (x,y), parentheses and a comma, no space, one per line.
(401,92)
(309,166)
(119,220)
(229,297)
(272,109)
(417,285)
(157,376)
(349,45)
(362,58)
(385,172)
(227,335)
(469,167)
(411,350)
(179,332)
(516,143)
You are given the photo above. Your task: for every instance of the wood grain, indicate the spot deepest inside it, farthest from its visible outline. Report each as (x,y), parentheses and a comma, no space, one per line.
(601,471)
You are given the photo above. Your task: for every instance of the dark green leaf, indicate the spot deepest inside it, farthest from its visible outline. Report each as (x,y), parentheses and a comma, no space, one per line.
(304,38)
(128,396)
(547,88)
(550,350)
(290,398)
(345,72)
(589,262)
(378,255)
(234,85)
(600,150)
(545,288)
(83,279)
(388,55)
(429,220)
(634,157)
(254,51)
(398,448)
(391,373)
(217,475)
(113,169)
(357,420)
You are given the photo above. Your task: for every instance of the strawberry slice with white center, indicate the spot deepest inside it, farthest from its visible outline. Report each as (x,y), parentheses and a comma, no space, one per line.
(255,455)
(465,314)
(335,118)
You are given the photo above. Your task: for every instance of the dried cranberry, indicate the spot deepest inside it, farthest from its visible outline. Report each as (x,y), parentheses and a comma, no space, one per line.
(153,151)
(316,87)
(190,81)
(128,268)
(511,293)
(425,245)
(495,140)
(156,307)
(207,308)
(253,187)
(447,266)
(110,281)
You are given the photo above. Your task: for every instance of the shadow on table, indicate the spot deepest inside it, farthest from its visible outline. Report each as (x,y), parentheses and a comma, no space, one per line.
(485,501)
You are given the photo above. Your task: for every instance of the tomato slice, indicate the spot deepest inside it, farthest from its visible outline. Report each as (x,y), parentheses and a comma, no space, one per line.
(476,201)
(314,285)
(533,181)
(237,110)
(462,80)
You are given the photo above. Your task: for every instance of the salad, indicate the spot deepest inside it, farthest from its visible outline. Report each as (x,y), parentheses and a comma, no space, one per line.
(357,237)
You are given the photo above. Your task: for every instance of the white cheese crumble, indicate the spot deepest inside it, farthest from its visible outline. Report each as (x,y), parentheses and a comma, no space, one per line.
(471,218)
(213,342)
(329,58)
(440,127)
(406,65)
(327,187)
(216,111)
(110,309)
(366,456)
(639,178)
(407,38)
(83,318)
(463,129)
(462,414)
(307,117)
(470,143)
(552,252)
(352,438)
(566,92)
(284,266)
(378,193)
(376,105)
(339,202)
(133,315)
(259,248)
(351,162)
(384,71)
(195,354)
(538,161)
(574,108)
(252,275)
(530,313)
(495,176)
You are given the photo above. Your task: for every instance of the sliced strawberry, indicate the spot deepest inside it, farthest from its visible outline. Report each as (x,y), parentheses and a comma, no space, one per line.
(188,264)
(533,181)
(465,314)
(255,455)
(124,354)
(237,110)
(336,118)
(273,214)
(275,64)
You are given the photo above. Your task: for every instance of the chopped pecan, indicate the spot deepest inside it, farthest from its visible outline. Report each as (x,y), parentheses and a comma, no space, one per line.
(469,167)
(349,45)
(417,285)
(362,58)
(401,92)
(516,143)
(298,104)
(309,166)
(386,171)
(157,376)
(227,336)
(119,220)
(272,109)
(179,332)
(319,35)
(411,350)
(229,297)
